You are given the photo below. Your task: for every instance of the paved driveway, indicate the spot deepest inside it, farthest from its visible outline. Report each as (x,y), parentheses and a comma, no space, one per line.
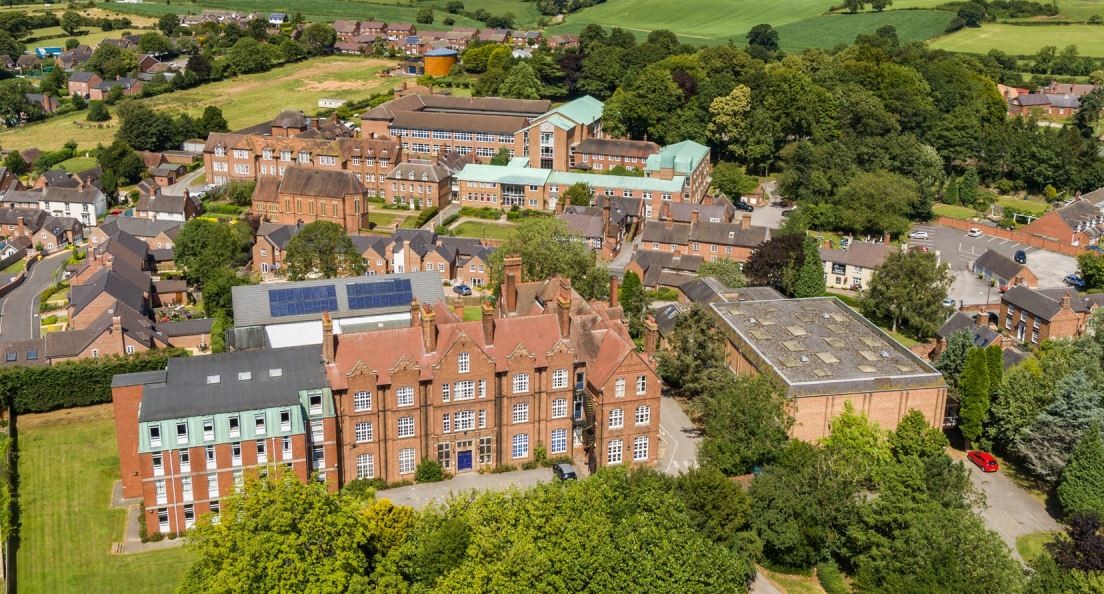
(769,215)
(678,438)
(1011,512)
(19,309)
(960,251)
(419,496)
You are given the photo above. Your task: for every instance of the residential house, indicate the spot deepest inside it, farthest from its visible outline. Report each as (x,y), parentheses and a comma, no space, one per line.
(157,234)
(167,174)
(1075,224)
(664,269)
(46,101)
(71,59)
(129,86)
(1036,315)
(1003,271)
(712,241)
(269,248)
(853,268)
(978,326)
(276,19)
(167,207)
(84,204)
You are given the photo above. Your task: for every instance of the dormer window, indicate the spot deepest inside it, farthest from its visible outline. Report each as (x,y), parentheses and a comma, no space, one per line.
(304,157)
(410,175)
(285,155)
(267,153)
(220,151)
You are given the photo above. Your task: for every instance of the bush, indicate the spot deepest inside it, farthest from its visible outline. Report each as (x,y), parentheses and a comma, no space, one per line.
(830,578)
(449,220)
(530,465)
(364,489)
(663,294)
(50,320)
(484,212)
(429,471)
(426,215)
(74,383)
(514,215)
(557,460)
(503,468)
(229,209)
(155,537)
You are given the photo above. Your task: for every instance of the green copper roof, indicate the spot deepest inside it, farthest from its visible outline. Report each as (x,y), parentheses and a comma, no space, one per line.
(683,157)
(627,182)
(503,175)
(585,110)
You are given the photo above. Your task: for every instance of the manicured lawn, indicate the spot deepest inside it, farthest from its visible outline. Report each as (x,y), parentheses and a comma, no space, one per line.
(244,100)
(901,338)
(954,211)
(16,267)
(380,219)
(1021,40)
(489,230)
(91,36)
(67,525)
(1037,207)
(78,164)
(794,584)
(828,31)
(472,313)
(1030,546)
(328,10)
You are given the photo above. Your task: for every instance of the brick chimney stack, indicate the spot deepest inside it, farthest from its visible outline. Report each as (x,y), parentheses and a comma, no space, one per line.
(415,314)
(563,307)
(651,335)
(329,343)
(694,217)
(886,238)
(745,222)
(116,324)
(615,288)
(1066,300)
(512,267)
(458,308)
(982,319)
(487,311)
(429,330)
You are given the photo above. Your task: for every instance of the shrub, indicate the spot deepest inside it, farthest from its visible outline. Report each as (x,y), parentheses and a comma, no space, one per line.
(530,465)
(557,460)
(540,453)
(450,220)
(363,488)
(429,471)
(483,212)
(156,537)
(830,578)
(74,383)
(503,468)
(515,214)
(426,215)
(229,209)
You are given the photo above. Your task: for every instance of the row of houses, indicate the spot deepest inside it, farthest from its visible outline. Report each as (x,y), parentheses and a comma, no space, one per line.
(363,36)
(1056,100)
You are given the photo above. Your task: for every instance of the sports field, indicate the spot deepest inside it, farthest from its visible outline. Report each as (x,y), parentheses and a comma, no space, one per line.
(245,100)
(828,31)
(329,10)
(1024,40)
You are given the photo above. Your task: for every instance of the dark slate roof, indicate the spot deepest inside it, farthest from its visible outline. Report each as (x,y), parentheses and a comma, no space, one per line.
(1037,302)
(186,327)
(158,202)
(858,253)
(171,285)
(363,243)
(72,195)
(162,255)
(983,335)
(81,77)
(729,234)
(112,283)
(302,181)
(1078,211)
(1013,356)
(23,352)
(588,226)
(186,390)
(998,264)
(134,325)
(58,178)
(278,235)
(141,226)
(419,172)
(290,119)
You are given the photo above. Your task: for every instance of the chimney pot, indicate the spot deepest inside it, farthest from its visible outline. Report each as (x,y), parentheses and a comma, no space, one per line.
(745,222)
(458,308)
(615,287)
(415,314)
(328,341)
(429,330)
(487,311)
(694,217)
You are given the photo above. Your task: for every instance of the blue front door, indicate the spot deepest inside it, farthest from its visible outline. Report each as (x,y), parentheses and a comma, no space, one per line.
(463,460)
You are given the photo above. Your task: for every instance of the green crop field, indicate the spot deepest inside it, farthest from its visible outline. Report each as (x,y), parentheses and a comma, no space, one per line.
(245,100)
(323,10)
(1024,40)
(67,524)
(828,31)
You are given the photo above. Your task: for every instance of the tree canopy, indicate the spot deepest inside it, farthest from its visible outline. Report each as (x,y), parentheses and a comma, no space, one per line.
(908,290)
(548,248)
(324,249)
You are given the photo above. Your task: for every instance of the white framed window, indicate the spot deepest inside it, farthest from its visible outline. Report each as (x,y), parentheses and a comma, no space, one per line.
(521,413)
(614,452)
(285,448)
(482,388)
(160,491)
(363,432)
(520,445)
(181,433)
(446,423)
(446,392)
(559,408)
(643,415)
(155,436)
(212,486)
(362,401)
(463,360)
(235,454)
(365,466)
(315,401)
(406,426)
(616,418)
(235,426)
(317,432)
(465,390)
(465,420)
(640,448)
(185,461)
(406,461)
(130,349)
(559,379)
(259,423)
(158,464)
(641,384)
(285,420)
(262,452)
(208,429)
(209,456)
(482,418)
(521,383)
(404,396)
(559,441)
(619,388)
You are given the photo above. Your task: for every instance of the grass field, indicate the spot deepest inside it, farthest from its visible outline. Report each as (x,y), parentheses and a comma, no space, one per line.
(828,31)
(1021,40)
(91,37)
(480,230)
(245,100)
(78,164)
(1030,206)
(1030,546)
(954,211)
(67,526)
(329,10)
(793,583)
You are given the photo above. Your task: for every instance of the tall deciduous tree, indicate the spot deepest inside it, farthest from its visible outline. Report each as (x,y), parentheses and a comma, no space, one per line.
(908,290)
(774,260)
(633,301)
(745,422)
(973,394)
(521,82)
(110,61)
(764,37)
(857,444)
(71,22)
(318,38)
(730,179)
(502,157)
(548,248)
(726,271)
(1082,484)
(728,121)
(696,352)
(916,437)
(280,535)
(323,248)
(579,194)
(204,246)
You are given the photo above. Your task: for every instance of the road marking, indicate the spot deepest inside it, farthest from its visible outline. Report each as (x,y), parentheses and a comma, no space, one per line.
(673,449)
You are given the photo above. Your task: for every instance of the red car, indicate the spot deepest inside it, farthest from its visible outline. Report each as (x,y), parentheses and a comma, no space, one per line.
(984,460)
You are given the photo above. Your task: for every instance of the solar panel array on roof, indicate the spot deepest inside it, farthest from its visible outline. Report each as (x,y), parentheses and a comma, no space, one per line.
(388,293)
(302,300)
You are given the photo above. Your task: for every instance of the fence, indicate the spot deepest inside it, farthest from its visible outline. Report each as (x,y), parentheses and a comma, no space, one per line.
(1044,243)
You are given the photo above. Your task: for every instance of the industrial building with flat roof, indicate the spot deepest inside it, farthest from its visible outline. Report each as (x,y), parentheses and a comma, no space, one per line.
(825,354)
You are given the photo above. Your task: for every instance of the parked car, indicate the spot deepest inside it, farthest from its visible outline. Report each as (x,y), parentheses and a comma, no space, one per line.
(984,460)
(948,302)
(462,290)
(1097,249)
(923,249)
(1020,257)
(564,472)
(744,206)
(1074,281)
(919,235)
(973,232)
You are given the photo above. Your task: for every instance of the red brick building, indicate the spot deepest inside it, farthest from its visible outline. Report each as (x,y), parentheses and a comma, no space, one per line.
(307,195)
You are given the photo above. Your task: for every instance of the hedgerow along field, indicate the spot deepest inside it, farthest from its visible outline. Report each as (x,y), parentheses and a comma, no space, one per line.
(245,100)
(329,10)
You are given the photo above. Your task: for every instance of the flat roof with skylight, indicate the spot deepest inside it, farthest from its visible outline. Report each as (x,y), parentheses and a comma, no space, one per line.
(819,346)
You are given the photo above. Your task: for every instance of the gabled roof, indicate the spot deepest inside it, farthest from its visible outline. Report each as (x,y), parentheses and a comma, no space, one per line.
(72,195)
(277,235)
(1046,303)
(167,203)
(683,157)
(1078,211)
(301,181)
(58,178)
(141,226)
(859,253)
(617,147)
(999,264)
(585,110)
(428,172)
(982,336)
(112,283)
(82,77)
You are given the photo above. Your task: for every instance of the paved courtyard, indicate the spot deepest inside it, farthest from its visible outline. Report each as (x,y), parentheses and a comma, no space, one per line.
(959,251)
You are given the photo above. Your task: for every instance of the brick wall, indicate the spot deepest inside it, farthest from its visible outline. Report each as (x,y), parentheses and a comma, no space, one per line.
(1020,236)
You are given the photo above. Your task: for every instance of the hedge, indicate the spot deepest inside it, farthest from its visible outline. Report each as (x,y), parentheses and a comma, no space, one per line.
(427,214)
(485,212)
(74,383)
(831,579)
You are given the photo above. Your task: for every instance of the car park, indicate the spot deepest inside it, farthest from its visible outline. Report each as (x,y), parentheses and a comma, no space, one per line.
(983,460)
(1020,257)
(744,206)
(919,235)
(462,290)
(973,232)
(564,472)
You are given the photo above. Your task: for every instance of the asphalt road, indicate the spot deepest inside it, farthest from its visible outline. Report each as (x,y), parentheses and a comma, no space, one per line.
(959,251)
(678,438)
(19,309)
